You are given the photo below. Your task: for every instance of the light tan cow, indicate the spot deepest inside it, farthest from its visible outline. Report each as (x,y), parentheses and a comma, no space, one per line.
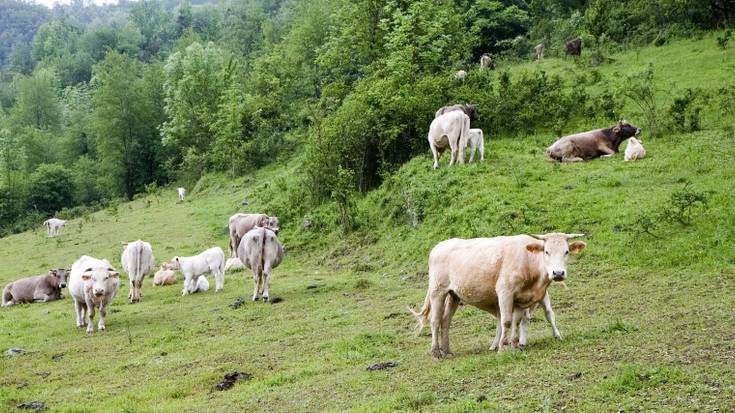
(504,276)
(239,224)
(450,130)
(165,275)
(635,150)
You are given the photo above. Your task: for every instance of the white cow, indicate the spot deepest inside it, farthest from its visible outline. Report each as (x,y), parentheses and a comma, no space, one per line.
(181,192)
(233,264)
(538,50)
(53,225)
(634,150)
(209,261)
(137,260)
(505,276)
(92,283)
(451,130)
(460,75)
(260,251)
(477,140)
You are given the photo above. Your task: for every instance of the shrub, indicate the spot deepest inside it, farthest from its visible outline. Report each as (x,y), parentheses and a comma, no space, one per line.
(50,188)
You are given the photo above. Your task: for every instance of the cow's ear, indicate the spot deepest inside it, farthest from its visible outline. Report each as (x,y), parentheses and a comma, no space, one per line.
(113,273)
(577,247)
(535,247)
(52,271)
(616,129)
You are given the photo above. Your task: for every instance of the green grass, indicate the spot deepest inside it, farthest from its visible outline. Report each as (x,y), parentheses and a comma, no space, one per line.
(646,321)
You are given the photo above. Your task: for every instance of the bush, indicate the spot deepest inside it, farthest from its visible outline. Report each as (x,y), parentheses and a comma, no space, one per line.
(50,188)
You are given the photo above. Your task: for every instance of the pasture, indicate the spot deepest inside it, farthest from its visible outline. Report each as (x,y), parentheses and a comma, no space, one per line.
(646,321)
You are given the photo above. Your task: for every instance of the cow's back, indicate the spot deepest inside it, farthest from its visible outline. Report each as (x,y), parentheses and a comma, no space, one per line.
(447,126)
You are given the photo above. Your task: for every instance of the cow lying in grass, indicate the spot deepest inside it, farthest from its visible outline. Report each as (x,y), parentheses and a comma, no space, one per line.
(41,288)
(505,276)
(592,144)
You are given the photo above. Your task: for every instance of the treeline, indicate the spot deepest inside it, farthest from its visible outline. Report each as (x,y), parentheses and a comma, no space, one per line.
(104,102)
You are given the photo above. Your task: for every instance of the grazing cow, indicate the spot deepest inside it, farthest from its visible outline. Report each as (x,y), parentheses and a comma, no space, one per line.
(477,140)
(260,251)
(451,130)
(574,47)
(239,224)
(53,225)
(137,260)
(468,109)
(634,150)
(233,264)
(165,275)
(538,51)
(501,275)
(592,144)
(37,289)
(209,261)
(92,283)
(460,75)
(181,192)
(487,62)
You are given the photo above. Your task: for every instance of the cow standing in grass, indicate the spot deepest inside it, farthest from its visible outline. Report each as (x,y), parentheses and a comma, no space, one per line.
(137,260)
(93,283)
(505,276)
(210,261)
(260,251)
(450,130)
(53,226)
(239,224)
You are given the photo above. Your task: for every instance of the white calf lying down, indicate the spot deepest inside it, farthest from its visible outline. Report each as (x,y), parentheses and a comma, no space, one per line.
(233,264)
(260,251)
(209,261)
(477,141)
(137,261)
(634,150)
(201,286)
(92,283)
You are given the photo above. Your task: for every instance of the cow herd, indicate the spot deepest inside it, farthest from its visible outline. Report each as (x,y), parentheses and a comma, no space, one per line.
(94,283)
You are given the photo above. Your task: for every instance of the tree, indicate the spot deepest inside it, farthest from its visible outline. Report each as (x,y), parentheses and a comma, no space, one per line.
(50,188)
(37,105)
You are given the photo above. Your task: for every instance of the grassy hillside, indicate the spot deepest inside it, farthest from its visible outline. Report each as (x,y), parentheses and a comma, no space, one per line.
(645,321)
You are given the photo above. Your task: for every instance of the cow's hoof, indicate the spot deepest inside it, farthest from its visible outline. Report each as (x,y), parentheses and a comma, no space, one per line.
(101,328)
(521,347)
(90,329)
(448,354)
(437,355)
(265,299)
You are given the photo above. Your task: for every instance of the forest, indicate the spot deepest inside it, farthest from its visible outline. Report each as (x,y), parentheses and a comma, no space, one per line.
(101,103)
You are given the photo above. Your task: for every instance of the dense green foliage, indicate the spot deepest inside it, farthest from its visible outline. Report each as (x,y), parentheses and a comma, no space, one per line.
(156,91)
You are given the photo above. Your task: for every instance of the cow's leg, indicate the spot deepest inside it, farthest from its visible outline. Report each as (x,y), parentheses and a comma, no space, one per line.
(549,312)
(496,341)
(189,285)
(517,315)
(40,297)
(572,159)
(219,279)
(524,322)
(103,313)
(79,309)
(451,305)
(482,148)
(436,314)
(89,317)
(505,302)
(435,153)
(256,284)
(131,293)
(266,280)
(472,152)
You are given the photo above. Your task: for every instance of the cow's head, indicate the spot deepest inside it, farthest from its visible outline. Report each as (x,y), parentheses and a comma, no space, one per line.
(100,280)
(272,223)
(634,141)
(471,111)
(175,263)
(61,275)
(165,266)
(555,251)
(625,130)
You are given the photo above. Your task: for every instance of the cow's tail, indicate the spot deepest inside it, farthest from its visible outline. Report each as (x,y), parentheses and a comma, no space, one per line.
(262,250)
(7,296)
(234,242)
(422,316)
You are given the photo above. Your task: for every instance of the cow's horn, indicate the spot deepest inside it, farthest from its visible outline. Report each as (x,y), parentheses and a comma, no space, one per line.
(538,237)
(569,236)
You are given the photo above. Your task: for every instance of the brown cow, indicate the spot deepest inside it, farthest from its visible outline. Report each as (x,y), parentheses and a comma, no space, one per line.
(591,144)
(487,62)
(504,276)
(468,109)
(574,47)
(41,288)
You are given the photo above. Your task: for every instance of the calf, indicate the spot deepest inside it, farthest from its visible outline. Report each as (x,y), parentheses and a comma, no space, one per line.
(260,251)
(93,283)
(504,276)
(450,130)
(53,226)
(40,288)
(165,275)
(477,140)
(210,261)
(460,75)
(591,144)
(634,150)
(233,264)
(137,260)
(181,192)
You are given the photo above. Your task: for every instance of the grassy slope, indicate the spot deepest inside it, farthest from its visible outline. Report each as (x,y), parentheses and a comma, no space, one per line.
(645,321)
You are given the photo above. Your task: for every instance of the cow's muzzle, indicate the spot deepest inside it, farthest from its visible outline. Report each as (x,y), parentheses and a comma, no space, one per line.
(62,285)
(558,275)
(637,131)
(99,293)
